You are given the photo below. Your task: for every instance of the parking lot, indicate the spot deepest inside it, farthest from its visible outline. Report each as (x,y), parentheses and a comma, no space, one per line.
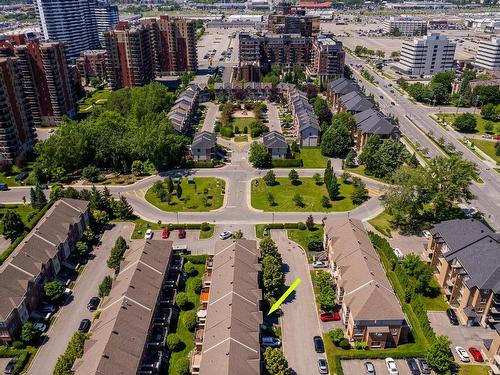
(218,40)
(356,366)
(465,337)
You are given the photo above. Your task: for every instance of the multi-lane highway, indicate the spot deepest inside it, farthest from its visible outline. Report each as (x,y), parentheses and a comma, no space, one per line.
(415,122)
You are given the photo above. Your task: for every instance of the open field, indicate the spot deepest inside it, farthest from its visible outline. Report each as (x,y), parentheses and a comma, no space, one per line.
(311,193)
(311,157)
(488,147)
(481,122)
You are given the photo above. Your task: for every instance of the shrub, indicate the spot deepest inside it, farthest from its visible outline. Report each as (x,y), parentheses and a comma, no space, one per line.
(205,227)
(189,320)
(196,259)
(182,300)
(182,366)
(174,342)
(21,362)
(344,344)
(287,163)
(198,284)
(315,245)
(360,345)
(290,226)
(190,269)
(105,286)
(301,226)
(17,344)
(336,336)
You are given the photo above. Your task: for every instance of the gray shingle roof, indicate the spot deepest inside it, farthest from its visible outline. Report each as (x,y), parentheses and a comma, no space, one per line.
(355,102)
(477,249)
(373,122)
(204,140)
(343,86)
(274,139)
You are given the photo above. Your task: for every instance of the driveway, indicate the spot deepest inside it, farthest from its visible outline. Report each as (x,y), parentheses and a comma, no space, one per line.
(355,366)
(69,316)
(408,244)
(299,323)
(465,337)
(210,117)
(273,117)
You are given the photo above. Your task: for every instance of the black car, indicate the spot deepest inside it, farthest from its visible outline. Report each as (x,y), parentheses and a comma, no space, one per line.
(93,303)
(84,326)
(452,317)
(10,365)
(318,344)
(424,366)
(412,364)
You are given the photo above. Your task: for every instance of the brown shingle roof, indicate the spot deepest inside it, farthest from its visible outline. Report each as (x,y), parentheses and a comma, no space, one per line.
(368,293)
(120,333)
(233,316)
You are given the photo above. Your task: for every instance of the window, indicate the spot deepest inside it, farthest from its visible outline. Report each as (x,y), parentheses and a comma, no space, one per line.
(357,332)
(375,344)
(394,331)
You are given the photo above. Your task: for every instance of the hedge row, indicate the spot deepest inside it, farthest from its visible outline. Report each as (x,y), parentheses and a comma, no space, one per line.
(183,226)
(299,225)
(287,163)
(21,362)
(29,227)
(73,351)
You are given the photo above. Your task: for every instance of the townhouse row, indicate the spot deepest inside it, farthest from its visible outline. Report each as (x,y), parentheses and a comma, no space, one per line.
(37,259)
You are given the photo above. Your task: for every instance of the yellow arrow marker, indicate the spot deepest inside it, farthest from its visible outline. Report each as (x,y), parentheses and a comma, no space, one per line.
(282,299)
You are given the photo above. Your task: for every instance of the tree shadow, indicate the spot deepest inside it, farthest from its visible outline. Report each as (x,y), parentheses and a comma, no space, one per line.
(290,298)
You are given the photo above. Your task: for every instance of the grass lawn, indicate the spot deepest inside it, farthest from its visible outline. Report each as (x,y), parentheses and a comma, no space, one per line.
(473,370)
(360,169)
(450,118)
(311,193)
(193,196)
(207,234)
(180,329)
(302,237)
(10,178)
(259,230)
(435,304)
(488,147)
(241,122)
(241,138)
(311,157)
(23,210)
(381,223)
(98,98)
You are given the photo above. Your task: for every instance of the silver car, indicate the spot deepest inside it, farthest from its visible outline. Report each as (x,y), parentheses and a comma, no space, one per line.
(323,366)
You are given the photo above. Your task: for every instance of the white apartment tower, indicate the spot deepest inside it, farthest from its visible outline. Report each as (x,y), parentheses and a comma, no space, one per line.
(70,21)
(488,55)
(405,26)
(106,16)
(427,55)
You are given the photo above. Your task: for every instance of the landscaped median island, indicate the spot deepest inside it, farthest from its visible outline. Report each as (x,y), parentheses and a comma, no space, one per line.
(141,226)
(187,194)
(304,196)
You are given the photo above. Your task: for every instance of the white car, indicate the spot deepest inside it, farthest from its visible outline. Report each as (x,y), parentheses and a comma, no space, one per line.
(41,327)
(149,234)
(225,235)
(319,264)
(462,354)
(426,234)
(391,366)
(399,254)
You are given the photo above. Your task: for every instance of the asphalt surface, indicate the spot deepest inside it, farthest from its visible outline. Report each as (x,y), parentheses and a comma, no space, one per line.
(273,117)
(69,316)
(487,193)
(300,319)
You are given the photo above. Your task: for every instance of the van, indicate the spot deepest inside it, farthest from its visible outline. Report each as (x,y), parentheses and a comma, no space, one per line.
(271,342)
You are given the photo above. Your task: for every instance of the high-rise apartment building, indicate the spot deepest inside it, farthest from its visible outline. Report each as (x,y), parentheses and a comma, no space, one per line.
(138,52)
(405,26)
(70,21)
(106,16)
(327,59)
(488,55)
(129,55)
(427,55)
(47,83)
(16,125)
(287,50)
(92,64)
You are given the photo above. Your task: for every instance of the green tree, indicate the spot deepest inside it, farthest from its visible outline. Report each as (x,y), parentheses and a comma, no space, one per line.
(310,222)
(488,111)
(116,254)
(413,161)
(122,209)
(105,286)
(268,248)
(272,276)
(182,300)
(359,194)
(182,366)
(91,173)
(333,187)
(137,168)
(317,179)
(344,118)
(178,190)
(271,199)
(53,290)
(336,336)
(259,156)
(270,178)
(465,122)
(298,200)
(382,158)
(170,184)
(438,355)
(29,333)
(81,248)
(275,362)
(174,342)
(325,202)
(189,320)
(13,226)
(349,161)
(336,141)
(293,176)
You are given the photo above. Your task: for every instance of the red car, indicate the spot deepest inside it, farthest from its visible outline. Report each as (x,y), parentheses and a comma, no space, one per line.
(182,233)
(328,317)
(476,354)
(165,233)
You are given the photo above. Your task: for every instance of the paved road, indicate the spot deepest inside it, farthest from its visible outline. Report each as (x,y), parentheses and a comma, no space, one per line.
(70,316)
(488,192)
(300,318)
